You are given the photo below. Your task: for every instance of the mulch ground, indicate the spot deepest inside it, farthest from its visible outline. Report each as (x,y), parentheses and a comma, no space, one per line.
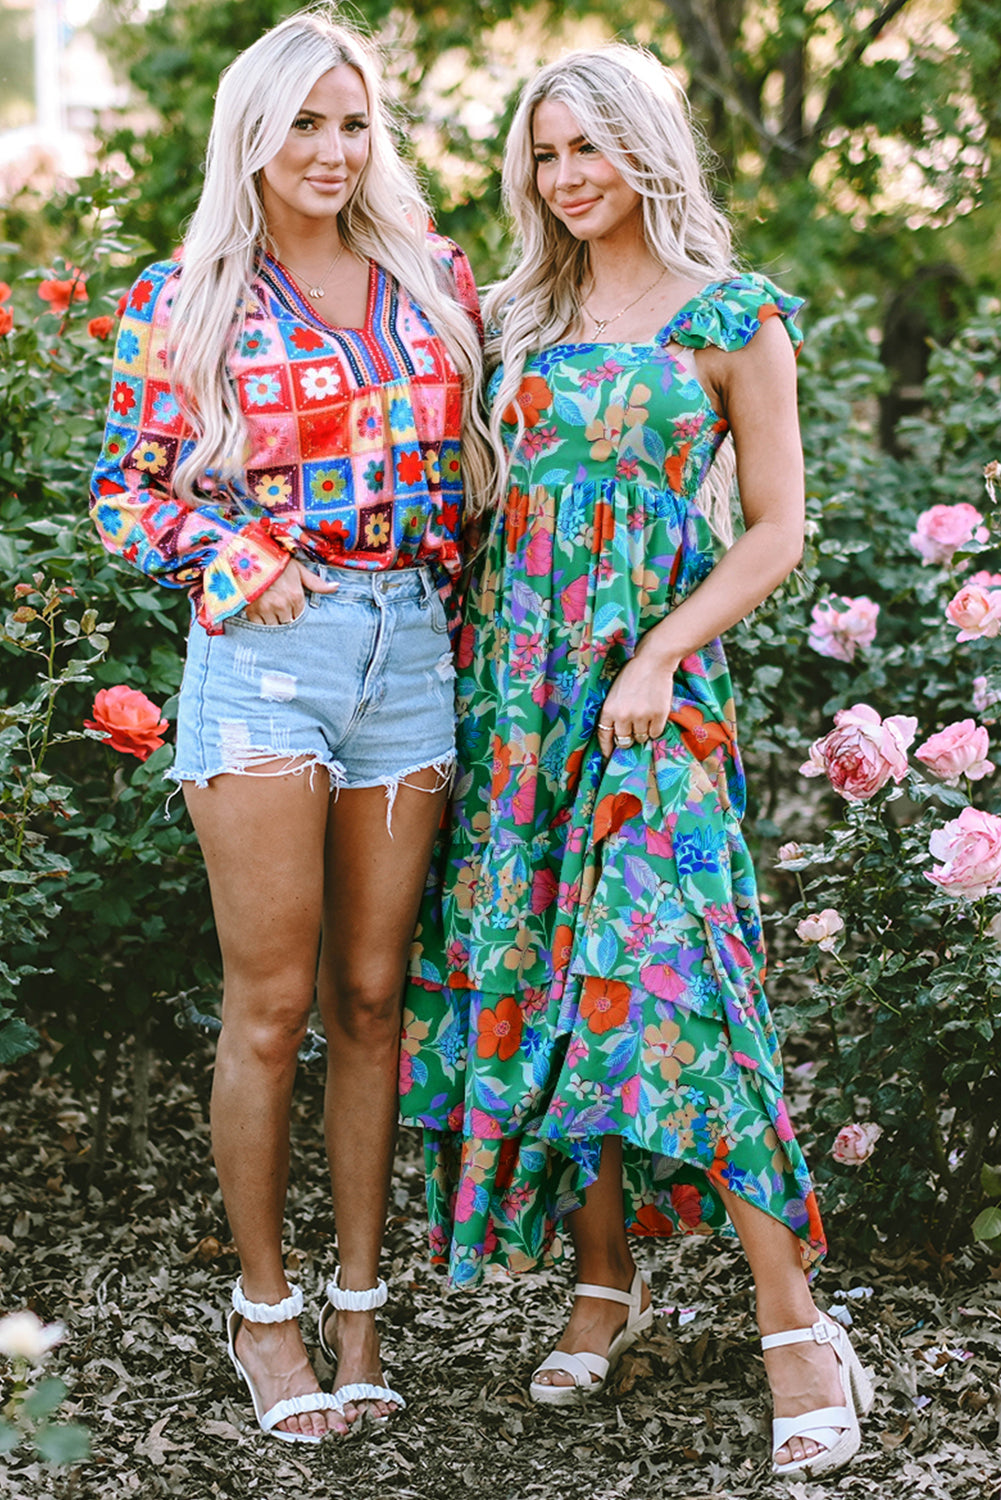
(140,1271)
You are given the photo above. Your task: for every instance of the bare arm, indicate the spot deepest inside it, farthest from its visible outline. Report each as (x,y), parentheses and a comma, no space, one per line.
(755,389)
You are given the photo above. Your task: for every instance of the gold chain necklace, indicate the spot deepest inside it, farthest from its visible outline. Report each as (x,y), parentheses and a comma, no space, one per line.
(600,324)
(315,291)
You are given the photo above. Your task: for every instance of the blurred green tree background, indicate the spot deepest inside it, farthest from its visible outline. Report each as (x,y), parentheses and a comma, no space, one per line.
(855,143)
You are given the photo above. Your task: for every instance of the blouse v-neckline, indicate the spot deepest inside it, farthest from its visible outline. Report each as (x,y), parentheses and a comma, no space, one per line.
(305,308)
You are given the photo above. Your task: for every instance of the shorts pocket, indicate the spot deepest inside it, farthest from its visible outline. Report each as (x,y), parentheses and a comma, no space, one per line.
(242,623)
(439,619)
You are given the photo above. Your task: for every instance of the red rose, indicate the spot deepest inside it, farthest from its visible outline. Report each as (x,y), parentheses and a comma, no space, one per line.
(6,321)
(129,721)
(59,294)
(100,328)
(4,291)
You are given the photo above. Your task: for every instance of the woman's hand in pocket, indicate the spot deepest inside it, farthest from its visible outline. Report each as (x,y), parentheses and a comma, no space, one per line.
(284,600)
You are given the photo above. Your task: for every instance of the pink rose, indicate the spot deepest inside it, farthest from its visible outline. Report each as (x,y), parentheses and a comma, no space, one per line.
(854,1144)
(791,856)
(822,928)
(970,850)
(943,529)
(862,752)
(985,580)
(838,633)
(977,612)
(957,750)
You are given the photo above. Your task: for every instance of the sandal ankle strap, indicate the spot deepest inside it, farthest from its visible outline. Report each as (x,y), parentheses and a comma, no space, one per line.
(267,1312)
(823,1332)
(347,1301)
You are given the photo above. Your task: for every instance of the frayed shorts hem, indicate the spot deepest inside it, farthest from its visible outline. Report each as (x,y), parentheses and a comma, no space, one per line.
(340,781)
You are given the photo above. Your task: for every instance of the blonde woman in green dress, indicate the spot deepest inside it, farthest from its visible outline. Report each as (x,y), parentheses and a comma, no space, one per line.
(587,1042)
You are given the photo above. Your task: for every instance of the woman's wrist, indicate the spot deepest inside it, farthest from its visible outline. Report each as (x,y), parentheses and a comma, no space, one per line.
(658,649)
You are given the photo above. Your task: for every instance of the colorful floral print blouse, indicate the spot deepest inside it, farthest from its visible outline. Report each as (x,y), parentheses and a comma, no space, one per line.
(353,442)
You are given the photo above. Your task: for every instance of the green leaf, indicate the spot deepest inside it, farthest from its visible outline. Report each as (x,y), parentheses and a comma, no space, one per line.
(43,1400)
(63,1443)
(987,1224)
(990,1181)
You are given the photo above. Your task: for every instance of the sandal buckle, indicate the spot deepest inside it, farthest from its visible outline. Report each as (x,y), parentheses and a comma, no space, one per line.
(824,1332)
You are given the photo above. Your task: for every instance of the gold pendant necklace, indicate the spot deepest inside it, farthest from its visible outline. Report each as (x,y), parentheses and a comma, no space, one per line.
(315,291)
(600,324)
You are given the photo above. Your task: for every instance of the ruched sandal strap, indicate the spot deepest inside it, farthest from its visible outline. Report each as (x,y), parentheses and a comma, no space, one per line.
(347,1301)
(361,1390)
(296,1406)
(267,1312)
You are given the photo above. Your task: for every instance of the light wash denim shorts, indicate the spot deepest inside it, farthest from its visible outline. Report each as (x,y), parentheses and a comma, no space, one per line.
(361,683)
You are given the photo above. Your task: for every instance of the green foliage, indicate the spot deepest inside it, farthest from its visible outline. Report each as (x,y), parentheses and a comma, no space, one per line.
(28,1416)
(98,884)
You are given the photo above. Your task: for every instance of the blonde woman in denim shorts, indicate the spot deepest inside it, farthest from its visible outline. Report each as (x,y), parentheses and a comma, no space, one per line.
(283,442)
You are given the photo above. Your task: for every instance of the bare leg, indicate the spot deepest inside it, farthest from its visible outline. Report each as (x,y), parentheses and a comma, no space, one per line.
(374,885)
(263,838)
(603,1258)
(805,1376)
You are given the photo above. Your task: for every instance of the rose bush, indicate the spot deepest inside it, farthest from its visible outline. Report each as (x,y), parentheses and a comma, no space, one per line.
(943,529)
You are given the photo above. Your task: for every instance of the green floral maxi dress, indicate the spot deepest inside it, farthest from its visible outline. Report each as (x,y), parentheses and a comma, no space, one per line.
(589,958)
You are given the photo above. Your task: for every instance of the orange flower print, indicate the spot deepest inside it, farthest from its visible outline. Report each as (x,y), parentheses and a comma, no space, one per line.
(604,1003)
(516,517)
(534,397)
(500,1030)
(650,1220)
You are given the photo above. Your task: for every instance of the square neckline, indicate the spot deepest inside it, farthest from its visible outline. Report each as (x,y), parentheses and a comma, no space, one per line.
(660,339)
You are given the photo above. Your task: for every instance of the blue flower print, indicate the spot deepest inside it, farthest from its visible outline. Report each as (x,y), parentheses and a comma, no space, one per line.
(219,586)
(165,408)
(127,347)
(263,389)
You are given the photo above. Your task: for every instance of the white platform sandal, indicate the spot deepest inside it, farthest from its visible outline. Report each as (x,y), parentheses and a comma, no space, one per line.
(590,1372)
(292,1406)
(834,1428)
(341,1300)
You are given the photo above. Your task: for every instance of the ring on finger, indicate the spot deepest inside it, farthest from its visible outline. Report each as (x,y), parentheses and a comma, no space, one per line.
(609,727)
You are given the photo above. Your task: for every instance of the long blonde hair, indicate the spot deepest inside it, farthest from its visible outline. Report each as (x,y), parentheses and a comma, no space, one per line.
(259,96)
(635,112)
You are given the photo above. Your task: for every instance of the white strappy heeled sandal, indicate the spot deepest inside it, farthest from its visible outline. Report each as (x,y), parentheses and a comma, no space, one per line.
(590,1372)
(341,1300)
(834,1428)
(292,1406)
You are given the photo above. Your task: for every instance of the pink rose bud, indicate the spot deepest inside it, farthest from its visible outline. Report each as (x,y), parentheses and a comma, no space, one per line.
(837,632)
(822,928)
(790,854)
(958,750)
(992,476)
(862,752)
(969,849)
(854,1144)
(977,612)
(943,529)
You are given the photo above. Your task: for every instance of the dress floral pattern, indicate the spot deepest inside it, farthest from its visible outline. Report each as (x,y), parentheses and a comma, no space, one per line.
(589,958)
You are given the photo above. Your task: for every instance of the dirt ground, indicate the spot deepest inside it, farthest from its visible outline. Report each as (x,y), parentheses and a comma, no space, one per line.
(140,1271)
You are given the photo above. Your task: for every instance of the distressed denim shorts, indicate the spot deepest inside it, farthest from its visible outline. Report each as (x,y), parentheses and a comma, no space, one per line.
(361,683)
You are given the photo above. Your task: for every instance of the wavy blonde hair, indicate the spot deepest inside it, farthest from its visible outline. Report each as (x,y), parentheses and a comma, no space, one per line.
(636,113)
(260,95)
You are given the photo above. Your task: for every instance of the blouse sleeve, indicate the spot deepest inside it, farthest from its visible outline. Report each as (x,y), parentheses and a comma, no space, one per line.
(729,313)
(460,274)
(225,558)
